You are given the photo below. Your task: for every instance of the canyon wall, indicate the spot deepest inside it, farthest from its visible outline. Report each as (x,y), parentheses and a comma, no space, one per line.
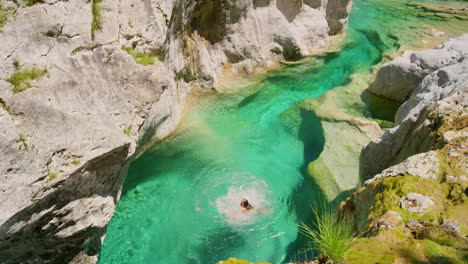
(86,84)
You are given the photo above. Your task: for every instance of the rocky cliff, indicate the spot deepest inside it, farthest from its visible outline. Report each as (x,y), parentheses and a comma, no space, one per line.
(85,84)
(413,206)
(435,109)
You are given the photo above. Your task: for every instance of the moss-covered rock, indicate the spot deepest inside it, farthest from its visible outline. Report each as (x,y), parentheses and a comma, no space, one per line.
(239,261)
(434,235)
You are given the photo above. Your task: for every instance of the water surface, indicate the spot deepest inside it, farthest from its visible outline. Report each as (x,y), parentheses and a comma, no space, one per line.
(254,146)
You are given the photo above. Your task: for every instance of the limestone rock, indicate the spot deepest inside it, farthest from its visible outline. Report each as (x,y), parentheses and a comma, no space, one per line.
(397,79)
(424,165)
(241,41)
(452,225)
(389,220)
(439,100)
(416,203)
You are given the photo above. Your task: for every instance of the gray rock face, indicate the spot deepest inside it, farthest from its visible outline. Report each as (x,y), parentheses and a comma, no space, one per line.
(416,203)
(439,98)
(242,41)
(104,80)
(424,165)
(397,79)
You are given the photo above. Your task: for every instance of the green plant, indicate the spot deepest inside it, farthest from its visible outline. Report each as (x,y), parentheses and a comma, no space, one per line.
(97,17)
(52,176)
(4,14)
(77,50)
(32,2)
(144,59)
(21,79)
(128,131)
(332,237)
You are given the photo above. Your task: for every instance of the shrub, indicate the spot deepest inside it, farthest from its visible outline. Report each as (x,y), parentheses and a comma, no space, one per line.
(21,79)
(330,236)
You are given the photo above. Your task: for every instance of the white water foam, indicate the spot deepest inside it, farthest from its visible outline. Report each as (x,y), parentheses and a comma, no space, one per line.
(256,192)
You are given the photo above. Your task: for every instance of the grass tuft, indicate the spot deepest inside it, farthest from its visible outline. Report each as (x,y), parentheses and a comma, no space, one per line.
(330,236)
(97,17)
(144,59)
(21,79)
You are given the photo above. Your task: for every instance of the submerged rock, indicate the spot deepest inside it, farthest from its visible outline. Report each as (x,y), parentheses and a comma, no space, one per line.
(336,169)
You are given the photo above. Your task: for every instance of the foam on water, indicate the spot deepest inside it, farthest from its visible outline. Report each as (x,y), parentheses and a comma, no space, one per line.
(256,192)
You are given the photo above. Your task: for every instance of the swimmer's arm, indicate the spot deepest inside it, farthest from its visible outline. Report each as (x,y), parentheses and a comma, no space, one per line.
(241,211)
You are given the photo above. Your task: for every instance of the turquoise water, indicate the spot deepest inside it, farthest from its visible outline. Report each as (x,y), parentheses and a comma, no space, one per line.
(254,145)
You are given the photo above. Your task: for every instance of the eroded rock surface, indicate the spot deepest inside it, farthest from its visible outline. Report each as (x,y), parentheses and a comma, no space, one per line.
(437,107)
(397,79)
(86,84)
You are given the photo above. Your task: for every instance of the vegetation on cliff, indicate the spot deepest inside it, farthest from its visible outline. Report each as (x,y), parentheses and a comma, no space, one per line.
(21,80)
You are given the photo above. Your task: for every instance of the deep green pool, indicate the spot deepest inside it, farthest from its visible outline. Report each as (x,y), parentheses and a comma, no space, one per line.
(253,146)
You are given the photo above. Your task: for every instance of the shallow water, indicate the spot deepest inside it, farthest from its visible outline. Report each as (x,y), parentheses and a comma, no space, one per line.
(255,146)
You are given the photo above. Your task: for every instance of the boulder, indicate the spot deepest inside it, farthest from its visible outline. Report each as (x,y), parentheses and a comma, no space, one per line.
(397,79)
(439,99)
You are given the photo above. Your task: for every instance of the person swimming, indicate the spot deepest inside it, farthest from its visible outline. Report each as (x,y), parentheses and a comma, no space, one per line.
(246,206)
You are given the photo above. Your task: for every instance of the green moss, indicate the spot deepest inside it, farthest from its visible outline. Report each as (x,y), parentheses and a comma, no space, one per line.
(4,14)
(32,2)
(389,191)
(52,176)
(76,162)
(446,167)
(128,131)
(77,50)
(240,261)
(388,247)
(97,17)
(21,79)
(144,59)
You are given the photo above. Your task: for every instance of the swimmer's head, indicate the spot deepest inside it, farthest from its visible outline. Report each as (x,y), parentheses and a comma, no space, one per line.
(245,203)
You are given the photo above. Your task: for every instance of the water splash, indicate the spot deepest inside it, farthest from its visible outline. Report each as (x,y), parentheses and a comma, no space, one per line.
(256,191)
